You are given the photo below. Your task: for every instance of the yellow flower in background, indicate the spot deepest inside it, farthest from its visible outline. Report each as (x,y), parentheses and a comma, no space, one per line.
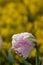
(41,18)
(22,9)
(33,53)
(29,26)
(26,2)
(6,45)
(38,26)
(20,59)
(1,23)
(41,48)
(33,9)
(4,32)
(16,64)
(11,5)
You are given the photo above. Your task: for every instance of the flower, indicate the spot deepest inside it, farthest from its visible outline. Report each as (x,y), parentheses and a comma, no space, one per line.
(23,43)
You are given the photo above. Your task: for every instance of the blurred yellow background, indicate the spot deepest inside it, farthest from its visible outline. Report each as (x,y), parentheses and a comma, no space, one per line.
(18,16)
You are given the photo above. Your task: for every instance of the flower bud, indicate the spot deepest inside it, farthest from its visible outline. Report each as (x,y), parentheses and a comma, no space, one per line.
(23,43)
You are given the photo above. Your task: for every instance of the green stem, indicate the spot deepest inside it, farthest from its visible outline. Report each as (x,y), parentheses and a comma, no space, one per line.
(37,56)
(42,62)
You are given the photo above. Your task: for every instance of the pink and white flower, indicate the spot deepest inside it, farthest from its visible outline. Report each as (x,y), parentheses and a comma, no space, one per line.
(23,43)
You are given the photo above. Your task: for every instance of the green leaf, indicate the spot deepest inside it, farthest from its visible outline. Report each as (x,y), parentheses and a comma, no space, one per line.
(26,62)
(10,56)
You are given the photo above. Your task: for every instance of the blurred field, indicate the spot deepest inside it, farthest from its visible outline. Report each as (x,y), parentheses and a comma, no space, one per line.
(21,16)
